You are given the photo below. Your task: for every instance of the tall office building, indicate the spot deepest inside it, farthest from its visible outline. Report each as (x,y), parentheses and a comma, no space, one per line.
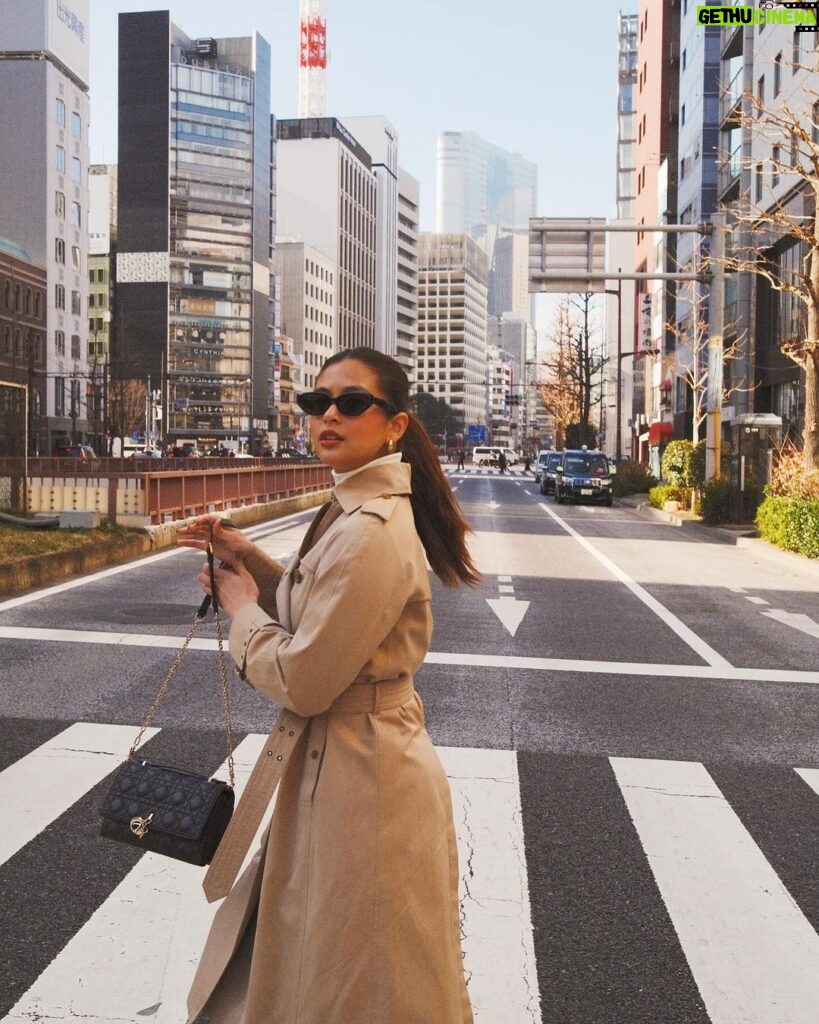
(485,192)
(380,140)
(327,198)
(626,114)
(307,292)
(44,116)
(699,104)
(452,348)
(406,331)
(195,226)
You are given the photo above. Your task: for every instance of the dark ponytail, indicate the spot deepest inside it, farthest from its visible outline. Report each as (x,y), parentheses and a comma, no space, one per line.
(437,515)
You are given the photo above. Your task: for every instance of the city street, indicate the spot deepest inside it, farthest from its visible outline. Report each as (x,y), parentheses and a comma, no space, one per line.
(628,712)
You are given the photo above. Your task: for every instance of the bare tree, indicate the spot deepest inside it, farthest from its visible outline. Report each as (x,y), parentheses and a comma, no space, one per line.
(781,207)
(126,398)
(691,355)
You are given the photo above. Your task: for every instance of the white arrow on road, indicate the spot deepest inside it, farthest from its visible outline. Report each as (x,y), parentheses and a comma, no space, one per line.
(509,610)
(494,504)
(804,623)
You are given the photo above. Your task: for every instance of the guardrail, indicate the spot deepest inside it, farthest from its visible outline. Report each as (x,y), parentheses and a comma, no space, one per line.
(154,491)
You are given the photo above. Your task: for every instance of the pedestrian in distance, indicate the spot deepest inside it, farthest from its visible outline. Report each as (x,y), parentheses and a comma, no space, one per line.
(527,464)
(349,910)
(502,463)
(460,458)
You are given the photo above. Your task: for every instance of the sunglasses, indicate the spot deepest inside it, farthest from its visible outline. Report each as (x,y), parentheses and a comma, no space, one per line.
(351,403)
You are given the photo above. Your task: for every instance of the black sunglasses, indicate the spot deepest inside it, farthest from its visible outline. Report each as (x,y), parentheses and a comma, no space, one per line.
(351,403)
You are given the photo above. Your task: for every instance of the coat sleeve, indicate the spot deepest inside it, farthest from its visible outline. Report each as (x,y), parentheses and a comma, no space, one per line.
(266,573)
(362,584)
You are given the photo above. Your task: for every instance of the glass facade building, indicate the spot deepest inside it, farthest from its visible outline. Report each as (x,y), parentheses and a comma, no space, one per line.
(195,226)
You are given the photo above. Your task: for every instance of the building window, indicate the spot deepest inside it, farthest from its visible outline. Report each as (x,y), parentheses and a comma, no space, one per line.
(101,275)
(75,257)
(37,305)
(796,51)
(777,82)
(776,153)
(758,183)
(59,396)
(59,296)
(28,302)
(76,215)
(59,205)
(7,342)
(76,125)
(59,342)
(76,169)
(76,303)
(91,300)
(18,298)
(794,149)
(59,250)
(7,294)
(760,95)
(59,159)
(814,117)
(75,346)
(17,344)
(38,348)
(59,113)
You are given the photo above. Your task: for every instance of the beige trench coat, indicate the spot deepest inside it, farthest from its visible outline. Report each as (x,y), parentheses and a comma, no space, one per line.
(348,913)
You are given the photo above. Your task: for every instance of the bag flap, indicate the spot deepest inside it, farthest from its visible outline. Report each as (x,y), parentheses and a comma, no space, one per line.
(180,801)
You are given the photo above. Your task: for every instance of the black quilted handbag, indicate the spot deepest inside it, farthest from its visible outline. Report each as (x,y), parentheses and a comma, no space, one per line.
(169,810)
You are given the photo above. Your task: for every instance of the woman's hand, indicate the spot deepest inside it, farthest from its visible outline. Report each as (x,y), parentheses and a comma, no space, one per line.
(235,587)
(229,544)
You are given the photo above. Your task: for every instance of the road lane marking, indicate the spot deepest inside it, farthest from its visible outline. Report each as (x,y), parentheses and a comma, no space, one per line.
(755,600)
(811,776)
(575,665)
(722,895)
(507,607)
(696,643)
(126,963)
(38,788)
(796,620)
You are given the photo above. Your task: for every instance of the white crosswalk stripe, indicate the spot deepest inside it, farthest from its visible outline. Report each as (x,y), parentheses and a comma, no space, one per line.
(750,949)
(137,954)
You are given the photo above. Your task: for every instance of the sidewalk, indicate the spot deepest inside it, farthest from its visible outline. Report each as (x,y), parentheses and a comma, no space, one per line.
(741,535)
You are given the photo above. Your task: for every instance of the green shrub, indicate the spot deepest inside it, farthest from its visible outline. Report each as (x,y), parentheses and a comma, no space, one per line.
(790,523)
(632,478)
(662,493)
(716,501)
(676,466)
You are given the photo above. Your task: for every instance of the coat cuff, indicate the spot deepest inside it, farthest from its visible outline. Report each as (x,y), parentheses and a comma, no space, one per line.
(247,622)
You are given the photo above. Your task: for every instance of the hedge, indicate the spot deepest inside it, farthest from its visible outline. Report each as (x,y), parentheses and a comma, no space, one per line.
(790,523)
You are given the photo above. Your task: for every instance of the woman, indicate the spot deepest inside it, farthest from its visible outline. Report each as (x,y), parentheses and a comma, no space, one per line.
(349,912)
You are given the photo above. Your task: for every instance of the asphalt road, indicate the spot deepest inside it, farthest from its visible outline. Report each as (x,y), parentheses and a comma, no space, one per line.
(628,713)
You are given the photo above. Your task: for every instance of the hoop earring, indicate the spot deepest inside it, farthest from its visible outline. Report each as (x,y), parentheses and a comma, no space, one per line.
(390,446)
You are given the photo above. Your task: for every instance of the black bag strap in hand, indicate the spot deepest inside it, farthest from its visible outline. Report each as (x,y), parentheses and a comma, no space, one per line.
(210,599)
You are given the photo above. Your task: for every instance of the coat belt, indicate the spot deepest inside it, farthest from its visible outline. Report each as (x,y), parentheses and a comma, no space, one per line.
(358,699)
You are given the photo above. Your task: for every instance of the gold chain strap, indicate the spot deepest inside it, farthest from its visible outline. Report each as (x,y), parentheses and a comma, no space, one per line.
(223,679)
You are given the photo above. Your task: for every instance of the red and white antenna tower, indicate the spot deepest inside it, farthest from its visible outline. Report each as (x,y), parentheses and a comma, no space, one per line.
(312,58)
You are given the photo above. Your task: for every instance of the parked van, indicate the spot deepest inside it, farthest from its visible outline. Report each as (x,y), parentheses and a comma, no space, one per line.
(488,455)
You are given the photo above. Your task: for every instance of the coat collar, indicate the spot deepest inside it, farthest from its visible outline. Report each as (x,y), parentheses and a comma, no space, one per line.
(379,481)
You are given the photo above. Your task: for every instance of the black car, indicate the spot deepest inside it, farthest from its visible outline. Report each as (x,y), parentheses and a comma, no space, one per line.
(548,472)
(582,475)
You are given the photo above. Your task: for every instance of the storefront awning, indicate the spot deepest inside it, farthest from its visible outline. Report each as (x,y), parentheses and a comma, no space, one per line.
(659,433)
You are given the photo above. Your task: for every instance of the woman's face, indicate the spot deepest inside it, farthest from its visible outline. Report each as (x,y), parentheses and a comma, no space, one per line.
(348,442)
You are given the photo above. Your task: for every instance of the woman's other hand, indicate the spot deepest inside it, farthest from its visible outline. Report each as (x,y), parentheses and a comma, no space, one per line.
(230,545)
(235,587)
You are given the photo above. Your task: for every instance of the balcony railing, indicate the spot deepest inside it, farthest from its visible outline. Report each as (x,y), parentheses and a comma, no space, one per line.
(730,169)
(731,96)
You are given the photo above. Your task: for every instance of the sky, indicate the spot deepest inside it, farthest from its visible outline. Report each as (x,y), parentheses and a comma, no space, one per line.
(516,72)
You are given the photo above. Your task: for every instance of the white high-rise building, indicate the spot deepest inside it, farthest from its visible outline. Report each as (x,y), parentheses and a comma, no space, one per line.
(307,293)
(44,117)
(452,351)
(406,330)
(326,197)
(380,139)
